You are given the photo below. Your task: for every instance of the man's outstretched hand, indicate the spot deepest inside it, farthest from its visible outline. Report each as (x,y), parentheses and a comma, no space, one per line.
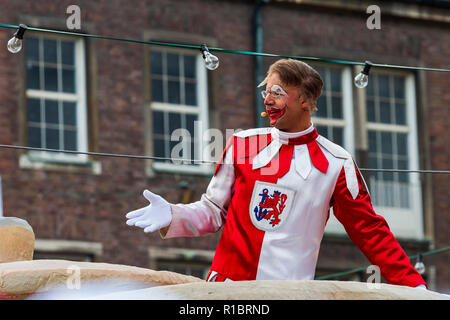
(155,216)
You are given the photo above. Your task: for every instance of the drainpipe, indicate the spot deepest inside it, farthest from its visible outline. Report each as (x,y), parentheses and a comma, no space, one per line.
(258,38)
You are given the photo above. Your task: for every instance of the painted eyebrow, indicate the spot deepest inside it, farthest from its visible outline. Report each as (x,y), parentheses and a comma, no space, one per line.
(278,87)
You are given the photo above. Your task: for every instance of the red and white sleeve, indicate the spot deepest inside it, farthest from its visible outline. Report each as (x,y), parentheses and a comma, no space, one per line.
(208,214)
(370,232)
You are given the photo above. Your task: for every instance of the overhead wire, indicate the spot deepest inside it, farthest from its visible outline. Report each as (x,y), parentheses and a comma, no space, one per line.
(222,50)
(357,270)
(132,156)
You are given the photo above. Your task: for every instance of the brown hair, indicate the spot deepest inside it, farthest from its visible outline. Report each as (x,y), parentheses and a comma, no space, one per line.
(298,74)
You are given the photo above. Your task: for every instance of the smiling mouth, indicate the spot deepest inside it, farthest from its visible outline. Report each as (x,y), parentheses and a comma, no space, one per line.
(275,113)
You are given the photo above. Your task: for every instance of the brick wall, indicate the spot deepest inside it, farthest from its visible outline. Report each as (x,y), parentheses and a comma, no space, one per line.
(89,207)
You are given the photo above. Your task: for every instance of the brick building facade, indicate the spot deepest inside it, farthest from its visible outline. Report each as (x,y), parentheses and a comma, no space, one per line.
(123,96)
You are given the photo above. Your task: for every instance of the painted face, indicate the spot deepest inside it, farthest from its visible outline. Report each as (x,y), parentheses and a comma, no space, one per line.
(284,105)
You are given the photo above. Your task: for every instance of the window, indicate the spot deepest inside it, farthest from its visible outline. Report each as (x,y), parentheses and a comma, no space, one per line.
(185,261)
(179,108)
(389,103)
(334,118)
(392,144)
(67,250)
(388,136)
(55,98)
(191,269)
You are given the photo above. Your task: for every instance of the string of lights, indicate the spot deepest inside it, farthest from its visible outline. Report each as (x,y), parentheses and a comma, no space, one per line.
(419,265)
(195,161)
(18,36)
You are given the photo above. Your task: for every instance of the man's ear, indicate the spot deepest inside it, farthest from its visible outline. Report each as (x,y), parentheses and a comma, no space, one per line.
(305,104)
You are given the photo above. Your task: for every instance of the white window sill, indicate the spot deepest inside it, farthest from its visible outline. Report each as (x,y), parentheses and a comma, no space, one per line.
(74,165)
(405,223)
(398,219)
(205,169)
(68,250)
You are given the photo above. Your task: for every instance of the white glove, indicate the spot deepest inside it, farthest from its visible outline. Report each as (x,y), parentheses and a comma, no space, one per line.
(155,216)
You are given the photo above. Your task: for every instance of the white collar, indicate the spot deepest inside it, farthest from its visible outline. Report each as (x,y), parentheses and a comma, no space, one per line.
(303,162)
(284,136)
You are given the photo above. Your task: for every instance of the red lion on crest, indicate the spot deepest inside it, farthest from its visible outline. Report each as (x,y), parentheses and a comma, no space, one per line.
(276,202)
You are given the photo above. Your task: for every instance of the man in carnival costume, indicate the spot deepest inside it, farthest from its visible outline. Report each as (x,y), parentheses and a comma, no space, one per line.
(272,192)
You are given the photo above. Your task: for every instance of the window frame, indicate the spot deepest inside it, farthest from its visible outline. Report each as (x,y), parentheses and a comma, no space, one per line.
(347,121)
(396,216)
(399,219)
(201,109)
(196,258)
(35,158)
(68,250)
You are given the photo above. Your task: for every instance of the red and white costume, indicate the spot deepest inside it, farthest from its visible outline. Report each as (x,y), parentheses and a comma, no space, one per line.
(272,193)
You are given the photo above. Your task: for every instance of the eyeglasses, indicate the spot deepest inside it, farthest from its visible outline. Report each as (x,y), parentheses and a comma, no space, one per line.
(276,92)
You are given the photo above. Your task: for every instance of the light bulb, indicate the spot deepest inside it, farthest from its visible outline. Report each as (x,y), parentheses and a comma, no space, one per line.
(420,266)
(15,43)
(211,61)
(362,79)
